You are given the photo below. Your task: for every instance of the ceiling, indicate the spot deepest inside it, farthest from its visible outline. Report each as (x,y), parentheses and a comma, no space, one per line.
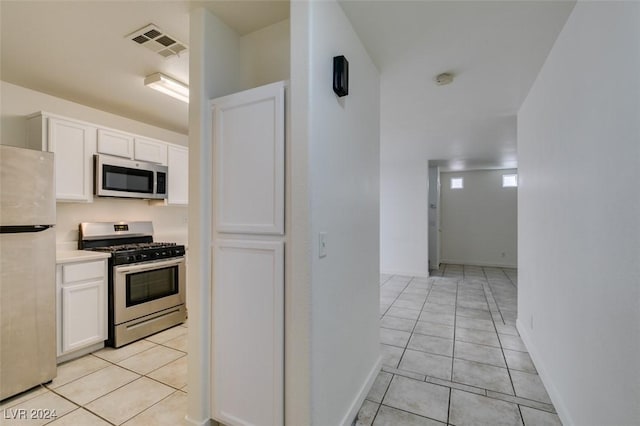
(76,50)
(494,49)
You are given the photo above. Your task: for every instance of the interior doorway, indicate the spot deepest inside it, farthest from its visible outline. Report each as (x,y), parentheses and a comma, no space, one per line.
(434,216)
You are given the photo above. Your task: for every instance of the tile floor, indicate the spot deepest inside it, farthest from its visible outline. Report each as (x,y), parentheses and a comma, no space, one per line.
(452,355)
(141,384)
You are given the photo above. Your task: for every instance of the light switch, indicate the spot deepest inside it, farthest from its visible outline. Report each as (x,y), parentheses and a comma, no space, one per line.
(322,244)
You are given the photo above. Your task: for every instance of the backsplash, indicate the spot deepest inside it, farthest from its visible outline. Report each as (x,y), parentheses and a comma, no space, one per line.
(169,222)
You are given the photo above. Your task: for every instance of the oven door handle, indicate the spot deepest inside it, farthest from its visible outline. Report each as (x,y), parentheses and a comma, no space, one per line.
(149,266)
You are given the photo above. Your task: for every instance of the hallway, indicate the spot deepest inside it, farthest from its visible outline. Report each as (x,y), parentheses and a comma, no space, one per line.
(452,355)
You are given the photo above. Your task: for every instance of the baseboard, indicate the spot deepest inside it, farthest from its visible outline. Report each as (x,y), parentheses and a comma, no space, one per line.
(474,263)
(79,353)
(555,396)
(206,422)
(348,419)
(417,274)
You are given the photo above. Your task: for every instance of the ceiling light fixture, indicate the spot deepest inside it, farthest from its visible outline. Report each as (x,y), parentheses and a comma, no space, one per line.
(444,78)
(168,86)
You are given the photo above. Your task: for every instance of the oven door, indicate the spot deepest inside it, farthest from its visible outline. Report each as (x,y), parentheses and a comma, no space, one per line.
(145,288)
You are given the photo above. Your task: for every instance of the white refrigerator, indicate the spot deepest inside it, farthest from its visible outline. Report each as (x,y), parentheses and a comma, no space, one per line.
(27,270)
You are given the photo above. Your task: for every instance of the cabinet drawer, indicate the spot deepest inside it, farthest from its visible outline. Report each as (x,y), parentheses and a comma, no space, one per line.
(82,271)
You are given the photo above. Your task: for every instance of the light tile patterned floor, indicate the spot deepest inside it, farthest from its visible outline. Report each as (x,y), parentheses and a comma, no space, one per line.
(452,355)
(141,384)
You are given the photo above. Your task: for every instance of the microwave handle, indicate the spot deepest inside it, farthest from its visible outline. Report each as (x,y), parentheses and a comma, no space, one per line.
(149,266)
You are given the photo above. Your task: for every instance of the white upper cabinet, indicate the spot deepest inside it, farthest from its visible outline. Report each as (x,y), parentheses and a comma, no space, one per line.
(126,145)
(115,143)
(73,144)
(178,163)
(150,150)
(249,161)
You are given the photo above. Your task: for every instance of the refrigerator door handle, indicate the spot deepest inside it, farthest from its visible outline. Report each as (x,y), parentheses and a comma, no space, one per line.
(23,228)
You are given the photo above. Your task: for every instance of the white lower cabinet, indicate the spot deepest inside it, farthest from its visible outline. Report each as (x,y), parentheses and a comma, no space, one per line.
(248,333)
(82,305)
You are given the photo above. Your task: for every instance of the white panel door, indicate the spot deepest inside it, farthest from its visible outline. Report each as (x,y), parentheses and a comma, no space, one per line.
(249,161)
(248,333)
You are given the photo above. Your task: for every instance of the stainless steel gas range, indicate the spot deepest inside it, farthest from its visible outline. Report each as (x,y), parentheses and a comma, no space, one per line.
(147,279)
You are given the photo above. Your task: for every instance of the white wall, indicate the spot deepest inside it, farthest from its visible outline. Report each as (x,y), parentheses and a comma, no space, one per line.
(479,223)
(264,55)
(299,250)
(342,135)
(221,63)
(214,70)
(17,102)
(579,217)
(404,232)
(170,223)
(404,186)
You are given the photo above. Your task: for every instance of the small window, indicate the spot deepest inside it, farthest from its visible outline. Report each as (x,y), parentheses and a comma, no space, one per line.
(509,181)
(457,183)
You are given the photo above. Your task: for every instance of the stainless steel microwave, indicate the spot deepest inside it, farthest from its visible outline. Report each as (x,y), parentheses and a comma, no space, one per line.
(120,177)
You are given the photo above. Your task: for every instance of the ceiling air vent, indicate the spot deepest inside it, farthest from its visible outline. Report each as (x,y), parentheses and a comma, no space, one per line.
(153,38)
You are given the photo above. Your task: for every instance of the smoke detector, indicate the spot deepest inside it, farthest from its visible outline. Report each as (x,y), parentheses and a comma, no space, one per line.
(444,78)
(156,40)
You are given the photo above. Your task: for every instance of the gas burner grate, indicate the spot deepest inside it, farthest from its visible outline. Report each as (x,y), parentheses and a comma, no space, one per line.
(134,246)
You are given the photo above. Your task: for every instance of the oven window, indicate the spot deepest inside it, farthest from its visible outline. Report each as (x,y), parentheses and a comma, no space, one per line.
(126,179)
(150,285)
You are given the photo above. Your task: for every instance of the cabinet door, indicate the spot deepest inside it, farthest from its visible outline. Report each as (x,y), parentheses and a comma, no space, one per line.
(248,332)
(74,145)
(83,314)
(178,163)
(150,150)
(249,161)
(115,143)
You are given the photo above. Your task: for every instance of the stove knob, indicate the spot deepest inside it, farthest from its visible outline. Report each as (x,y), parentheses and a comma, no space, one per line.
(164,253)
(156,254)
(143,256)
(176,252)
(131,258)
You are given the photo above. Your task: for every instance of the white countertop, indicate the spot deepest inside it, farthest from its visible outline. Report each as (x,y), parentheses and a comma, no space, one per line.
(69,256)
